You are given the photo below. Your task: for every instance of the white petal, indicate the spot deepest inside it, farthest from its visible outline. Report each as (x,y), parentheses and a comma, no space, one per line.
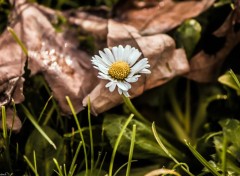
(103,69)
(126,53)
(133,78)
(122,86)
(103,76)
(115,52)
(98,60)
(97,63)
(128,85)
(145,71)
(120,91)
(104,61)
(109,55)
(112,87)
(105,58)
(109,84)
(140,65)
(134,57)
(120,53)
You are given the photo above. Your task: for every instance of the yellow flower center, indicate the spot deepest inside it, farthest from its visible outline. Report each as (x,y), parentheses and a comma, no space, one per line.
(119,70)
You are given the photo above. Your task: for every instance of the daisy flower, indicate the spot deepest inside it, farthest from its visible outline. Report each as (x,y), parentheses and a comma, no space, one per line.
(120,67)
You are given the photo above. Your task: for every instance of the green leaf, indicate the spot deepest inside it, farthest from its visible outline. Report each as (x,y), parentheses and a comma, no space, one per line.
(227,147)
(44,151)
(231,80)
(188,35)
(37,126)
(231,128)
(145,143)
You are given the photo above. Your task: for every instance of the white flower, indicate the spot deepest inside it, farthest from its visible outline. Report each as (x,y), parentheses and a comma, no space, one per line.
(120,67)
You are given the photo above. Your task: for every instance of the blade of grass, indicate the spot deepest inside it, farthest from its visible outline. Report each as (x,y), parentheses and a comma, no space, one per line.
(98,159)
(30,165)
(71,171)
(35,160)
(48,116)
(120,168)
(4,122)
(44,108)
(166,150)
(80,133)
(100,168)
(65,169)
(176,126)
(175,105)
(74,168)
(36,125)
(14,116)
(129,104)
(91,136)
(14,35)
(6,154)
(202,160)
(117,143)
(131,150)
(58,167)
(17,151)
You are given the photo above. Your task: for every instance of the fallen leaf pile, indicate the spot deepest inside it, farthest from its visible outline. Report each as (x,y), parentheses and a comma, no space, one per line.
(68,70)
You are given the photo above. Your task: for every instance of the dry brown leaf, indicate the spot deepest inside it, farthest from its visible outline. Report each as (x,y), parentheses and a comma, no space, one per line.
(11,82)
(206,67)
(91,23)
(166,62)
(159,17)
(66,69)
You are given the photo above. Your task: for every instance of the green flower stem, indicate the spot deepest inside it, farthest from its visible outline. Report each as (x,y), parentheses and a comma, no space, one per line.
(142,119)
(134,110)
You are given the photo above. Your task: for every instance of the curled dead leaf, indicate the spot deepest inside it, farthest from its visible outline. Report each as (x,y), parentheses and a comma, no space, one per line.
(60,62)
(160,16)
(89,22)
(66,69)
(206,67)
